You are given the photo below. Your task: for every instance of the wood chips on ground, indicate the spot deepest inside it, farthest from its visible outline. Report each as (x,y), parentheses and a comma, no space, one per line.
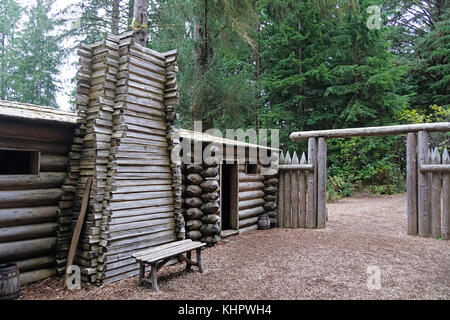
(301,263)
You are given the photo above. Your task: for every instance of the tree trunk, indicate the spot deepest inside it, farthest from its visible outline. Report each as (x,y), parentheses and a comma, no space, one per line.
(300,71)
(202,53)
(258,76)
(140,20)
(115,17)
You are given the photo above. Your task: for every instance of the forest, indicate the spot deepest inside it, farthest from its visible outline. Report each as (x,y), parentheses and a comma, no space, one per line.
(282,64)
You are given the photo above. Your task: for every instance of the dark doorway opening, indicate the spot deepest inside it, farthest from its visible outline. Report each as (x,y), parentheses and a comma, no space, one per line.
(229,197)
(226,196)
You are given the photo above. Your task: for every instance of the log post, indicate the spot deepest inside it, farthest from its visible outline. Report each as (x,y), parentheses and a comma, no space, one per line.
(436,197)
(322,183)
(302,194)
(287,193)
(294,194)
(281,195)
(311,212)
(445,215)
(423,190)
(411,181)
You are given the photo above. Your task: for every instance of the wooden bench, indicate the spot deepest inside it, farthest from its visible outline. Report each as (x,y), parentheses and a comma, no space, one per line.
(158,256)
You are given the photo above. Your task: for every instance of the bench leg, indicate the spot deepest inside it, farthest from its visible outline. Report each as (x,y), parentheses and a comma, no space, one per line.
(154,277)
(199,260)
(189,256)
(141,273)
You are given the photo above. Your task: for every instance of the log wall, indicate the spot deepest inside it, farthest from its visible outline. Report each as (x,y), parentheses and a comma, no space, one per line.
(29,203)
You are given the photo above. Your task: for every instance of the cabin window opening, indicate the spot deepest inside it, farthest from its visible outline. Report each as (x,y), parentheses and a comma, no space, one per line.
(14,161)
(251,168)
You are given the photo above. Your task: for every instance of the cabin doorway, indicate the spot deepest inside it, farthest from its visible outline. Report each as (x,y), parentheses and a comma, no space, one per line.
(229,196)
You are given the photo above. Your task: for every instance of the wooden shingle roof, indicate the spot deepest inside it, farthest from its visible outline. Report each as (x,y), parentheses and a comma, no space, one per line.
(32,112)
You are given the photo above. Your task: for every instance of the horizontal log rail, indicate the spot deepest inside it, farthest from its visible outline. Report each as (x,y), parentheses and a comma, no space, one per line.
(435,168)
(371,131)
(300,167)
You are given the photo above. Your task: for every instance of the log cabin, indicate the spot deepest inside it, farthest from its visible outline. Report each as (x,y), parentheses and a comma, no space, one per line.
(122,138)
(34,149)
(229,195)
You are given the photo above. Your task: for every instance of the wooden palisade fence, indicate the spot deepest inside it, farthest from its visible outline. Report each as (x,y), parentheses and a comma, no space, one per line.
(302,188)
(428,178)
(428,184)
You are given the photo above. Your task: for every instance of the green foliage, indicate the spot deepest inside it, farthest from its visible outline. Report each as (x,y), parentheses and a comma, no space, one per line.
(33,55)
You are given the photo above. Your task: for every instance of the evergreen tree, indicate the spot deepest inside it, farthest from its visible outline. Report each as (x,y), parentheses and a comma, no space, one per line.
(35,55)
(10,15)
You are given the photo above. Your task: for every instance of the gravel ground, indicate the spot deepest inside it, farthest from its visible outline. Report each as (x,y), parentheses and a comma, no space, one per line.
(300,263)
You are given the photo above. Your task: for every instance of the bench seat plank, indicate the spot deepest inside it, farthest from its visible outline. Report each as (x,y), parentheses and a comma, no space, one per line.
(158,256)
(160,248)
(154,257)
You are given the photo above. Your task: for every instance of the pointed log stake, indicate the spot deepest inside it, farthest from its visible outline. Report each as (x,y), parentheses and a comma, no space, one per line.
(445,214)
(302,194)
(311,212)
(294,194)
(411,181)
(322,183)
(79,225)
(287,193)
(281,195)
(436,197)
(423,191)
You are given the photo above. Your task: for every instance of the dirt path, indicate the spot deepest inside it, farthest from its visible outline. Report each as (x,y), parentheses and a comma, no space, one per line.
(303,264)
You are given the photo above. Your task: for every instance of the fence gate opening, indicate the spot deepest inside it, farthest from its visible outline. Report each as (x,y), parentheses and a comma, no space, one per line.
(302,186)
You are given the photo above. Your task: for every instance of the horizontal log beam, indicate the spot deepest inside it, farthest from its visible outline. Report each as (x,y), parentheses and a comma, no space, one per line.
(23,182)
(37,275)
(300,167)
(53,163)
(435,168)
(22,216)
(371,131)
(32,231)
(26,249)
(29,198)
(36,263)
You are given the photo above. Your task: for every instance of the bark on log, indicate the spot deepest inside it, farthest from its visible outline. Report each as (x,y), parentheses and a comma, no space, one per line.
(27,248)
(287,193)
(423,192)
(436,197)
(23,216)
(371,131)
(193,213)
(321,183)
(29,198)
(27,182)
(411,182)
(302,193)
(295,212)
(445,199)
(33,231)
(311,212)
(281,195)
